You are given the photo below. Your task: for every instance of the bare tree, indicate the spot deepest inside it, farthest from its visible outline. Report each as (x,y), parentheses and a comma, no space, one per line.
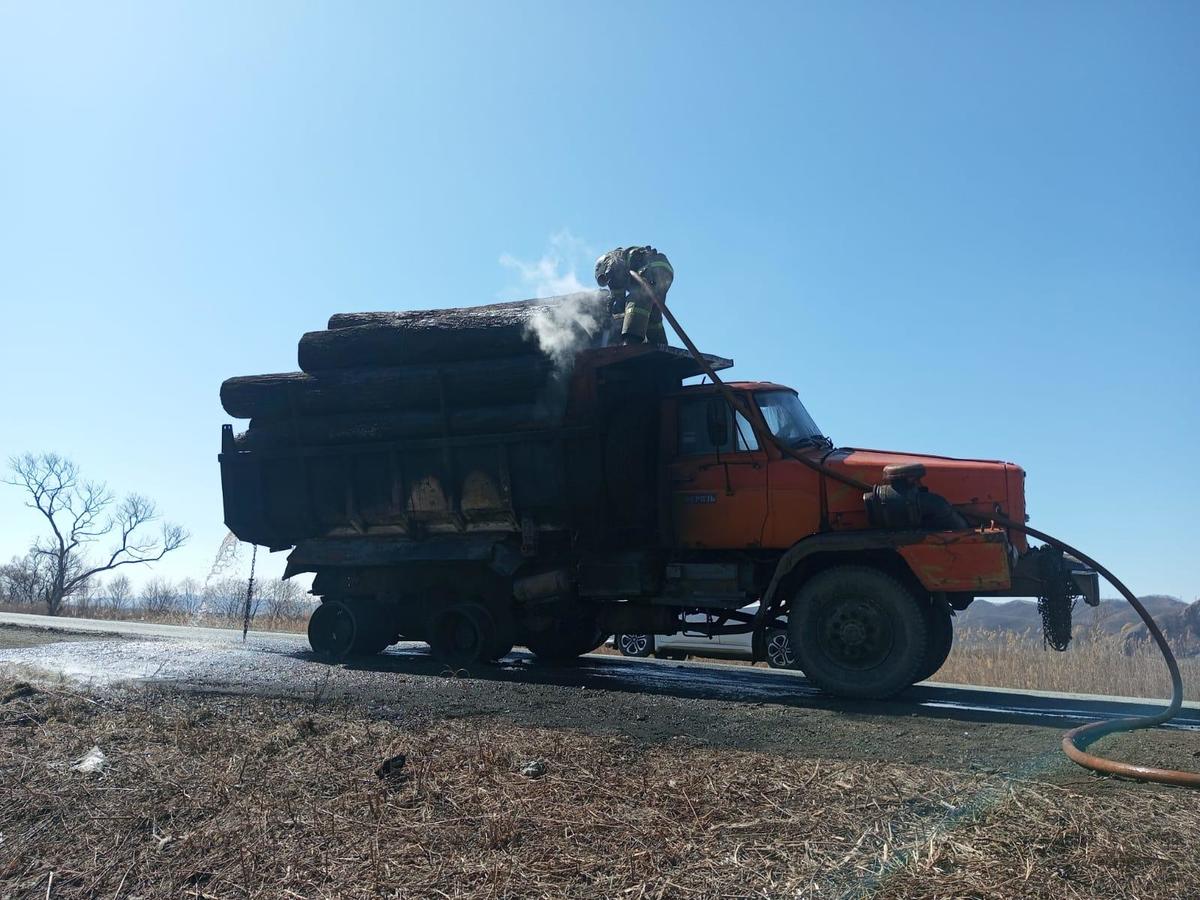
(158,596)
(25,580)
(188,596)
(282,600)
(119,592)
(79,513)
(81,600)
(226,598)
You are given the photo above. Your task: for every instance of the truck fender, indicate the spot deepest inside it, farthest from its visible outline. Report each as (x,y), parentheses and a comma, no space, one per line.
(975,560)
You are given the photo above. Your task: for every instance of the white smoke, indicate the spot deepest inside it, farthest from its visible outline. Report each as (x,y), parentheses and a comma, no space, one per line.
(568,325)
(571,322)
(554,274)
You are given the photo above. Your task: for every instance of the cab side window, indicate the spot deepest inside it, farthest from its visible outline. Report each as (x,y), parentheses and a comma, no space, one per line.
(693,431)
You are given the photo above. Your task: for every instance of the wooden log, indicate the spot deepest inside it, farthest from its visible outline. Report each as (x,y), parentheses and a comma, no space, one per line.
(482,332)
(357,428)
(514,312)
(390,345)
(510,379)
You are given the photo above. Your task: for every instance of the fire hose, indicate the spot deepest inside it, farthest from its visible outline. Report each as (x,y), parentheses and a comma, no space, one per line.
(1075,741)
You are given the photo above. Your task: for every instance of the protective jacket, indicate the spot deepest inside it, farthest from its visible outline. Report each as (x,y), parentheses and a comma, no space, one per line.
(641,319)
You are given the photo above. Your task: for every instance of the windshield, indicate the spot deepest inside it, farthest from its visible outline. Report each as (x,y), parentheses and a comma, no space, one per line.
(787,418)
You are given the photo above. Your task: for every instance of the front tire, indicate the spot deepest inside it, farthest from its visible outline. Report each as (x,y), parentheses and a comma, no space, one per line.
(859,633)
(941,639)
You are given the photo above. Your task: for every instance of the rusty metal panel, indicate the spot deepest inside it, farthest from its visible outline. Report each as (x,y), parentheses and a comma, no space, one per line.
(960,561)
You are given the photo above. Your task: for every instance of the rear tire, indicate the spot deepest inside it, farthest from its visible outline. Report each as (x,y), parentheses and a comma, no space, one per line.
(940,627)
(464,634)
(375,632)
(333,630)
(565,640)
(859,633)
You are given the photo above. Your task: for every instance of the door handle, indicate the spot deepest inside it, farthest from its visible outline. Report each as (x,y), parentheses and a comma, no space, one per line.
(687,480)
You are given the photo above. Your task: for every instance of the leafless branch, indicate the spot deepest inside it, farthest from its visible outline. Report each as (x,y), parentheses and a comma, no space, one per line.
(80,512)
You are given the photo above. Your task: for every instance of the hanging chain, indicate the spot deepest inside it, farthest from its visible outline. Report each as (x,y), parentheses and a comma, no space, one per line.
(1056,620)
(249,594)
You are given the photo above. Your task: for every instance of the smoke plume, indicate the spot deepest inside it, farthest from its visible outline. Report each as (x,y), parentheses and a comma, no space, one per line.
(554,273)
(570,324)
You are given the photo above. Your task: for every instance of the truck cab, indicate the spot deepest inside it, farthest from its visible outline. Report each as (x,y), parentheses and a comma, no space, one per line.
(724,487)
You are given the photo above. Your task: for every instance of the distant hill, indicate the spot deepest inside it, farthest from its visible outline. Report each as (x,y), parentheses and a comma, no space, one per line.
(1181,627)
(1111,617)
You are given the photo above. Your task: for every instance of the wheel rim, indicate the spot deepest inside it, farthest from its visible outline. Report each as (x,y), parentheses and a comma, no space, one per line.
(857,633)
(779,651)
(634,644)
(332,629)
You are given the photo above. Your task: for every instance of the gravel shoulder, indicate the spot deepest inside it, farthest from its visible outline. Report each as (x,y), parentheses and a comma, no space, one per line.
(12,637)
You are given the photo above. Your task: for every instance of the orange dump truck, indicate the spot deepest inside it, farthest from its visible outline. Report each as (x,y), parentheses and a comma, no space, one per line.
(626,502)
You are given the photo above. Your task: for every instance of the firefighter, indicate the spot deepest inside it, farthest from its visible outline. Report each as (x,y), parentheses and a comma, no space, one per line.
(641,320)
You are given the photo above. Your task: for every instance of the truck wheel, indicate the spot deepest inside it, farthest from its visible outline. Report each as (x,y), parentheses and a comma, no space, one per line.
(333,629)
(635,644)
(374,630)
(369,645)
(565,640)
(499,650)
(779,650)
(858,632)
(940,627)
(504,636)
(463,634)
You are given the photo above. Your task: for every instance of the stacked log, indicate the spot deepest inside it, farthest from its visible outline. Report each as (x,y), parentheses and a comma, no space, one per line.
(355,428)
(512,379)
(495,315)
(423,336)
(377,376)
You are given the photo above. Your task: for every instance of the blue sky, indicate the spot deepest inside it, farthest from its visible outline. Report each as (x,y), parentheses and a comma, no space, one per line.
(962,228)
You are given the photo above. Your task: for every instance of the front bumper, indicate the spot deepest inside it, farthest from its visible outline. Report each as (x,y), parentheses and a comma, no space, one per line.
(1085,579)
(1047,572)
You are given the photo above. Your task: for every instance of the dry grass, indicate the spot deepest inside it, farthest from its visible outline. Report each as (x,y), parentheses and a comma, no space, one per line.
(1092,664)
(169,617)
(223,797)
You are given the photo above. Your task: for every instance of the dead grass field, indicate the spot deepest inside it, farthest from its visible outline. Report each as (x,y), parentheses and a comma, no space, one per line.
(1093,665)
(108,614)
(240,797)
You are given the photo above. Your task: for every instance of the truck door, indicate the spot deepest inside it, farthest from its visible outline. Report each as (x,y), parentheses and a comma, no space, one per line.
(718,492)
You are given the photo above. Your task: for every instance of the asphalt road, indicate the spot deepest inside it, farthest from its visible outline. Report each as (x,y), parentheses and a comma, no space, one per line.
(280,664)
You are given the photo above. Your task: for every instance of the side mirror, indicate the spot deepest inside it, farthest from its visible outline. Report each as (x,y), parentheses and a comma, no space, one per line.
(717,419)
